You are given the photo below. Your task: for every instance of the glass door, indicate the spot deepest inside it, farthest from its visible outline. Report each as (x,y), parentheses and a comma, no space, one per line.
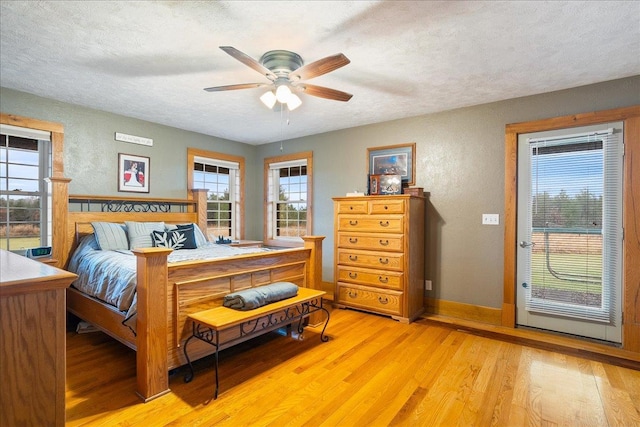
(569,258)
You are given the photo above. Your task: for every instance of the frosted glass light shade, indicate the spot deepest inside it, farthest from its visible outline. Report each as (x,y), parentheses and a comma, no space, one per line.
(268,99)
(283,93)
(294,102)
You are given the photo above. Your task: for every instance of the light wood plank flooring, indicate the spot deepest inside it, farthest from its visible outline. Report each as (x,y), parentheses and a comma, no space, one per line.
(373,372)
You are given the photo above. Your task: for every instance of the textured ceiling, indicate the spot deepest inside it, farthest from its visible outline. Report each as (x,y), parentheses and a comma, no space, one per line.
(151,59)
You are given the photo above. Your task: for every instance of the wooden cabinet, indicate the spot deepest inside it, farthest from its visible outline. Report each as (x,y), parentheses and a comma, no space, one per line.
(32,342)
(379,254)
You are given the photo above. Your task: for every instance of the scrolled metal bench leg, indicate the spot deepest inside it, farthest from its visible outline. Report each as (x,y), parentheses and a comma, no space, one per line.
(323,337)
(300,326)
(189,376)
(215,394)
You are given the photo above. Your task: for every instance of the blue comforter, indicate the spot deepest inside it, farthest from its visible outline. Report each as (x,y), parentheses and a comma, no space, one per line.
(110,276)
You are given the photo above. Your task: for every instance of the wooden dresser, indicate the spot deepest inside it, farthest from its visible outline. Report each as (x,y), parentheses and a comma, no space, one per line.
(32,342)
(379,254)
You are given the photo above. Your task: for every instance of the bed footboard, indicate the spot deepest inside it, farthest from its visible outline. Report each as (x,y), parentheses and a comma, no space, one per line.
(167,294)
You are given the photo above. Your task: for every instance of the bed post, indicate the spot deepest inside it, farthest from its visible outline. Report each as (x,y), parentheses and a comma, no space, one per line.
(60,244)
(151,323)
(200,197)
(314,271)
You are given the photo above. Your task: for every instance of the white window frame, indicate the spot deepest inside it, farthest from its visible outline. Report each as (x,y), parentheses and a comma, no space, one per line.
(43,139)
(235,164)
(272,166)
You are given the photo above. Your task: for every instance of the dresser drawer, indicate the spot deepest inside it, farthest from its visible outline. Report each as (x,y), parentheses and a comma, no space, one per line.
(386,206)
(370,277)
(382,260)
(353,206)
(381,301)
(370,223)
(376,242)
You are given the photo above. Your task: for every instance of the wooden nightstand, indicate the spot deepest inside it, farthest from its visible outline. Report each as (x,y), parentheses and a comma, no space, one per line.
(33,339)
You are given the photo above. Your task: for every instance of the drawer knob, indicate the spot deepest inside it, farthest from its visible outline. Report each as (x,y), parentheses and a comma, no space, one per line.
(353,257)
(350,207)
(353,294)
(383,279)
(384,300)
(352,222)
(353,240)
(353,275)
(386,207)
(383,261)
(384,242)
(384,223)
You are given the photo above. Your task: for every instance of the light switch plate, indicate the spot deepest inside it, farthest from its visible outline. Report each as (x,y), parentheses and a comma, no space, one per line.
(491,219)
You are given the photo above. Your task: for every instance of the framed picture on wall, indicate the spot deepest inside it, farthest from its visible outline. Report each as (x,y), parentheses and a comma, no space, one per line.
(394,160)
(133,173)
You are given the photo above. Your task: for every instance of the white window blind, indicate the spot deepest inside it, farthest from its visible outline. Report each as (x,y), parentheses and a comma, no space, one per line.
(38,135)
(576,225)
(217,162)
(288,164)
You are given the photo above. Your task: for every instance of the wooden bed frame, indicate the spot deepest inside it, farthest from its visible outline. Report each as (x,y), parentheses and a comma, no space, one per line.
(167,294)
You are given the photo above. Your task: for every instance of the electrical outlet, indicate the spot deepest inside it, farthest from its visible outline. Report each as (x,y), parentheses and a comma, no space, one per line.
(491,219)
(427,285)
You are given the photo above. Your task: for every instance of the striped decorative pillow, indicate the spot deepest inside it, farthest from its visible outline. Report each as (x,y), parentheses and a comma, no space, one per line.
(110,236)
(139,233)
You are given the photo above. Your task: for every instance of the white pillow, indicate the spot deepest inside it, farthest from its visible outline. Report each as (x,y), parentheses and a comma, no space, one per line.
(140,233)
(110,236)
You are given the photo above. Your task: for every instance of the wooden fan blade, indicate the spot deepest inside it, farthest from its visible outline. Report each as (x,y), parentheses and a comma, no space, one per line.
(324,92)
(319,67)
(234,87)
(249,61)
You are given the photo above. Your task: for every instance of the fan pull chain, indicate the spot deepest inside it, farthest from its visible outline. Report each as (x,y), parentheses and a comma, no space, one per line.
(281,133)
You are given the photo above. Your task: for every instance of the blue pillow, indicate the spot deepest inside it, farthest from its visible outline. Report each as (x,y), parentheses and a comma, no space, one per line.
(183,238)
(110,236)
(201,239)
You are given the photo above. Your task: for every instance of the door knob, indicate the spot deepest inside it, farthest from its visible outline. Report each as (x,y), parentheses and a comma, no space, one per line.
(524,244)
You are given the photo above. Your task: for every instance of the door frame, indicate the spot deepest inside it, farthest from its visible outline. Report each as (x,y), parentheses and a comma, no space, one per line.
(631,213)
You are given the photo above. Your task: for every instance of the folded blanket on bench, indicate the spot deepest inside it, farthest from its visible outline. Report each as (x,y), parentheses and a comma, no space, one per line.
(262,295)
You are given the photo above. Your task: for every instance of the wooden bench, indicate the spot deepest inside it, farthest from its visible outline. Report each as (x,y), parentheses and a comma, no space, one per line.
(224,327)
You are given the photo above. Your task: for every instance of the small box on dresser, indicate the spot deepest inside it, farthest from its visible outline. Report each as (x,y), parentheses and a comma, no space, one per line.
(379,254)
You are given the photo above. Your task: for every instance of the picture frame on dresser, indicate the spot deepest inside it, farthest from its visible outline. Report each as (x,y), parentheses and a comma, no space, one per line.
(394,160)
(390,184)
(374,185)
(133,173)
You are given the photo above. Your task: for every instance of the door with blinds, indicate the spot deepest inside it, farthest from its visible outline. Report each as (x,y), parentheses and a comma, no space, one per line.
(569,254)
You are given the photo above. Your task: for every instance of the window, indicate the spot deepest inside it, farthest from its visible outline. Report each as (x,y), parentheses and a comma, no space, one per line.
(222,176)
(25,162)
(288,187)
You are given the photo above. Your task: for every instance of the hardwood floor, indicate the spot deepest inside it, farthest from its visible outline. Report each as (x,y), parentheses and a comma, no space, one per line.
(374,371)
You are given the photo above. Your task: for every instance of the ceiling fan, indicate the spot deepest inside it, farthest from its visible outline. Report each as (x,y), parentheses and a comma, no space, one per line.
(286,70)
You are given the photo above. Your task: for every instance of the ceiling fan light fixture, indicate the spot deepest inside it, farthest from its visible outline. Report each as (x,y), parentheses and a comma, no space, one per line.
(294,102)
(283,93)
(268,99)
